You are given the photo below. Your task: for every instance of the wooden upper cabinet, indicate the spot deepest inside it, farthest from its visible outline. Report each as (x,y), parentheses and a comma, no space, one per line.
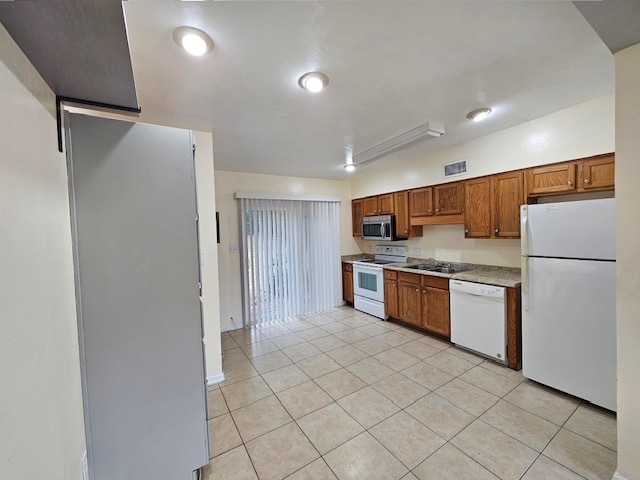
(582,175)
(477,208)
(369,206)
(378,205)
(508,195)
(449,198)
(385,204)
(401,200)
(421,202)
(356,217)
(552,179)
(597,173)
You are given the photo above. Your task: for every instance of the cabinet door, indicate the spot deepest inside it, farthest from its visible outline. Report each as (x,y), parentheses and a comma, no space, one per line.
(391,297)
(597,173)
(449,199)
(347,286)
(421,202)
(370,206)
(508,195)
(551,179)
(477,208)
(401,200)
(435,310)
(356,217)
(409,301)
(385,204)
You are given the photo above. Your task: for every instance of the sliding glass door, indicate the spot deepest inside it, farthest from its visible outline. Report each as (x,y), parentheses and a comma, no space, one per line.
(291,257)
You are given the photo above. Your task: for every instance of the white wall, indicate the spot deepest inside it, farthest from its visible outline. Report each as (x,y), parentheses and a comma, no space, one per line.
(580,131)
(41,403)
(227,184)
(628,258)
(208,254)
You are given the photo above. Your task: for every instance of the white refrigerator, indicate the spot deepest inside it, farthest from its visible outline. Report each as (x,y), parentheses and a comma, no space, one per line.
(569,298)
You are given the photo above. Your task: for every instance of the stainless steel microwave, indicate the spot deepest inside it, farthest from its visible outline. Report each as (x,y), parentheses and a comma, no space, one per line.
(381,227)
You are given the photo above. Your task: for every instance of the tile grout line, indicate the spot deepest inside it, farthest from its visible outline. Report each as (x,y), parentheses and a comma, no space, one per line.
(418,360)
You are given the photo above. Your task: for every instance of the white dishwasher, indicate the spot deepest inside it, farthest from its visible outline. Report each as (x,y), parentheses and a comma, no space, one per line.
(478,318)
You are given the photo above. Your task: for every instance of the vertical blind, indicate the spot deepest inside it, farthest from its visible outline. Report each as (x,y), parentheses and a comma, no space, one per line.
(291,255)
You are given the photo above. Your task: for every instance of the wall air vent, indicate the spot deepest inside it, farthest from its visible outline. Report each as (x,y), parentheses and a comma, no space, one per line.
(455,169)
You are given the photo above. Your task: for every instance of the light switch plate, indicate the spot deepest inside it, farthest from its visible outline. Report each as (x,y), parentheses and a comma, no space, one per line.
(235,248)
(417,251)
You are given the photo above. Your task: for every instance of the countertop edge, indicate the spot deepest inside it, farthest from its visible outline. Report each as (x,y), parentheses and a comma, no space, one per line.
(509,277)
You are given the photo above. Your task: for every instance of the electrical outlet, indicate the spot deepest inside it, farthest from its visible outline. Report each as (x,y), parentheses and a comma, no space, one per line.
(417,252)
(235,248)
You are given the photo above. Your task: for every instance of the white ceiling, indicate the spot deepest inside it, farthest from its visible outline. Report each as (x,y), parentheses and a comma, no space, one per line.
(392,66)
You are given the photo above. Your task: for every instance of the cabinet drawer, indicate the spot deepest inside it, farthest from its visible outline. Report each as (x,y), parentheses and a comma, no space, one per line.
(409,277)
(347,267)
(390,274)
(435,282)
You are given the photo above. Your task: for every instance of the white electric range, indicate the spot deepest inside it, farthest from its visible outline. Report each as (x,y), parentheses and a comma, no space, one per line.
(368,279)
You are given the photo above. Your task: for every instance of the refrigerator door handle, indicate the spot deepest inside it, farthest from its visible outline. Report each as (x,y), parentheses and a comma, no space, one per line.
(524,220)
(524,260)
(525,282)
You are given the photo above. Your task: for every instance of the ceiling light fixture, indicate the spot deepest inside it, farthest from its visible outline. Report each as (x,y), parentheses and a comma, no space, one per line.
(350,167)
(193,40)
(479,114)
(397,143)
(313,81)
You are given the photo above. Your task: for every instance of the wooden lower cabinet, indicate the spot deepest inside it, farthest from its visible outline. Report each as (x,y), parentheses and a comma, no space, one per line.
(409,298)
(391,297)
(423,301)
(435,310)
(347,282)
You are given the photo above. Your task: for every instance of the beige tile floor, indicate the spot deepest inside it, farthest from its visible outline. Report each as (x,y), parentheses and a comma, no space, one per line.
(343,395)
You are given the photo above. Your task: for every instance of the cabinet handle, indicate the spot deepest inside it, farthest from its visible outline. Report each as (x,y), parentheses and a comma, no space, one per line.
(429,211)
(586,180)
(569,183)
(437,210)
(496,230)
(466,230)
(417,289)
(424,291)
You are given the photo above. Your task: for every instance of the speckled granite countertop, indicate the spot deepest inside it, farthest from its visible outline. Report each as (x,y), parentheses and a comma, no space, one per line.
(356,257)
(488,274)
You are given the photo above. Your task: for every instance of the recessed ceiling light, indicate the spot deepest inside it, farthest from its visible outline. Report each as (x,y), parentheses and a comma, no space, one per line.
(313,81)
(350,167)
(479,114)
(193,40)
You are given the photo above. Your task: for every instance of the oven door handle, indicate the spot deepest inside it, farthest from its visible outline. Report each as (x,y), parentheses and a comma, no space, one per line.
(367,268)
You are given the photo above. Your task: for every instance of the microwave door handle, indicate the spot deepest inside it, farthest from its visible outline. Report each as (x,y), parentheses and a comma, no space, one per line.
(382,230)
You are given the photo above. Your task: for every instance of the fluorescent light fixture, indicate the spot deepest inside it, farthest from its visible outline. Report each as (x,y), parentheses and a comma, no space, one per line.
(193,40)
(397,143)
(479,114)
(313,81)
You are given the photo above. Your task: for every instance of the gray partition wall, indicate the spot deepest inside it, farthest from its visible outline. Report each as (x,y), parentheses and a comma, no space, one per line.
(133,210)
